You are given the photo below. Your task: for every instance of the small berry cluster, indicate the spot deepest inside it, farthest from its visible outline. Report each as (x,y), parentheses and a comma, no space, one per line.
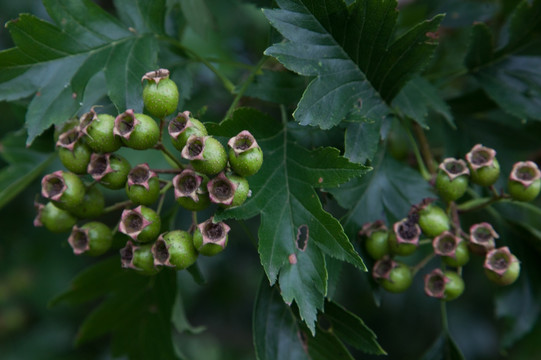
(442,229)
(87,148)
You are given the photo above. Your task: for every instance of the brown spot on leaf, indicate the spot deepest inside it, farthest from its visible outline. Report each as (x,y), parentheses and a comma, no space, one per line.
(302,237)
(292,259)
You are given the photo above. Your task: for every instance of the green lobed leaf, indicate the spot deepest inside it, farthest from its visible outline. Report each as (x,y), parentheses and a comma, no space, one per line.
(362,140)
(283,194)
(324,345)
(197,15)
(351,329)
(24,166)
(133,307)
(417,97)
(275,330)
(386,193)
(510,76)
(281,87)
(53,63)
(349,50)
(444,348)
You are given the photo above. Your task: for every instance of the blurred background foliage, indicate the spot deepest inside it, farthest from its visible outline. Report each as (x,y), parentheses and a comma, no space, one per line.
(36,265)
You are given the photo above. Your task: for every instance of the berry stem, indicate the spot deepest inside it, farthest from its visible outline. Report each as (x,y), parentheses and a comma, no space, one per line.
(422,168)
(163,191)
(415,269)
(444,321)
(196,273)
(166,171)
(425,148)
(225,81)
(117,206)
(244,86)
(169,155)
(194,222)
(480,203)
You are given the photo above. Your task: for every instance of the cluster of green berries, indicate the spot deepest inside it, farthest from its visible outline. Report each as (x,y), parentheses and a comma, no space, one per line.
(449,242)
(482,168)
(87,148)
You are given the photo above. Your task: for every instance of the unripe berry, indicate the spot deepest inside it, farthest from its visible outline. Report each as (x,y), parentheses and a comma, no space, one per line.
(392,275)
(73,152)
(142,224)
(433,220)
(484,167)
(404,239)
(65,127)
(93,238)
(174,249)
(143,185)
(524,181)
(446,285)
(92,205)
(206,154)
(191,190)
(137,131)
(501,267)
(228,190)
(182,127)
(377,239)
(139,258)
(63,188)
(245,155)
(110,170)
(210,238)
(453,250)
(98,131)
(53,218)
(452,179)
(482,238)
(160,94)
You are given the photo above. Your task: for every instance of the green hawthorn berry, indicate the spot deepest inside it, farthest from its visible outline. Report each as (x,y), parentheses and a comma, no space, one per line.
(137,131)
(228,190)
(182,127)
(245,156)
(209,238)
(92,205)
(432,219)
(98,131)
(63,188)
(73,151)
(445,285)
(452,179)
(482,238)
(453,250)
(160,94)
(377,239)
(110,170)
(65,127)
(404,239)
(143,185)
(524,181)
(93,238)
(53,218)
(191,190)
(139,258)
(174,249)
(392,275)
(501,267)
(142,224)
(484,167)
(206,154)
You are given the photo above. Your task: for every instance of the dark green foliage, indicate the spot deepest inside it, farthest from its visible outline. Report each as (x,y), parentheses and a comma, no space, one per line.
(326,87)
